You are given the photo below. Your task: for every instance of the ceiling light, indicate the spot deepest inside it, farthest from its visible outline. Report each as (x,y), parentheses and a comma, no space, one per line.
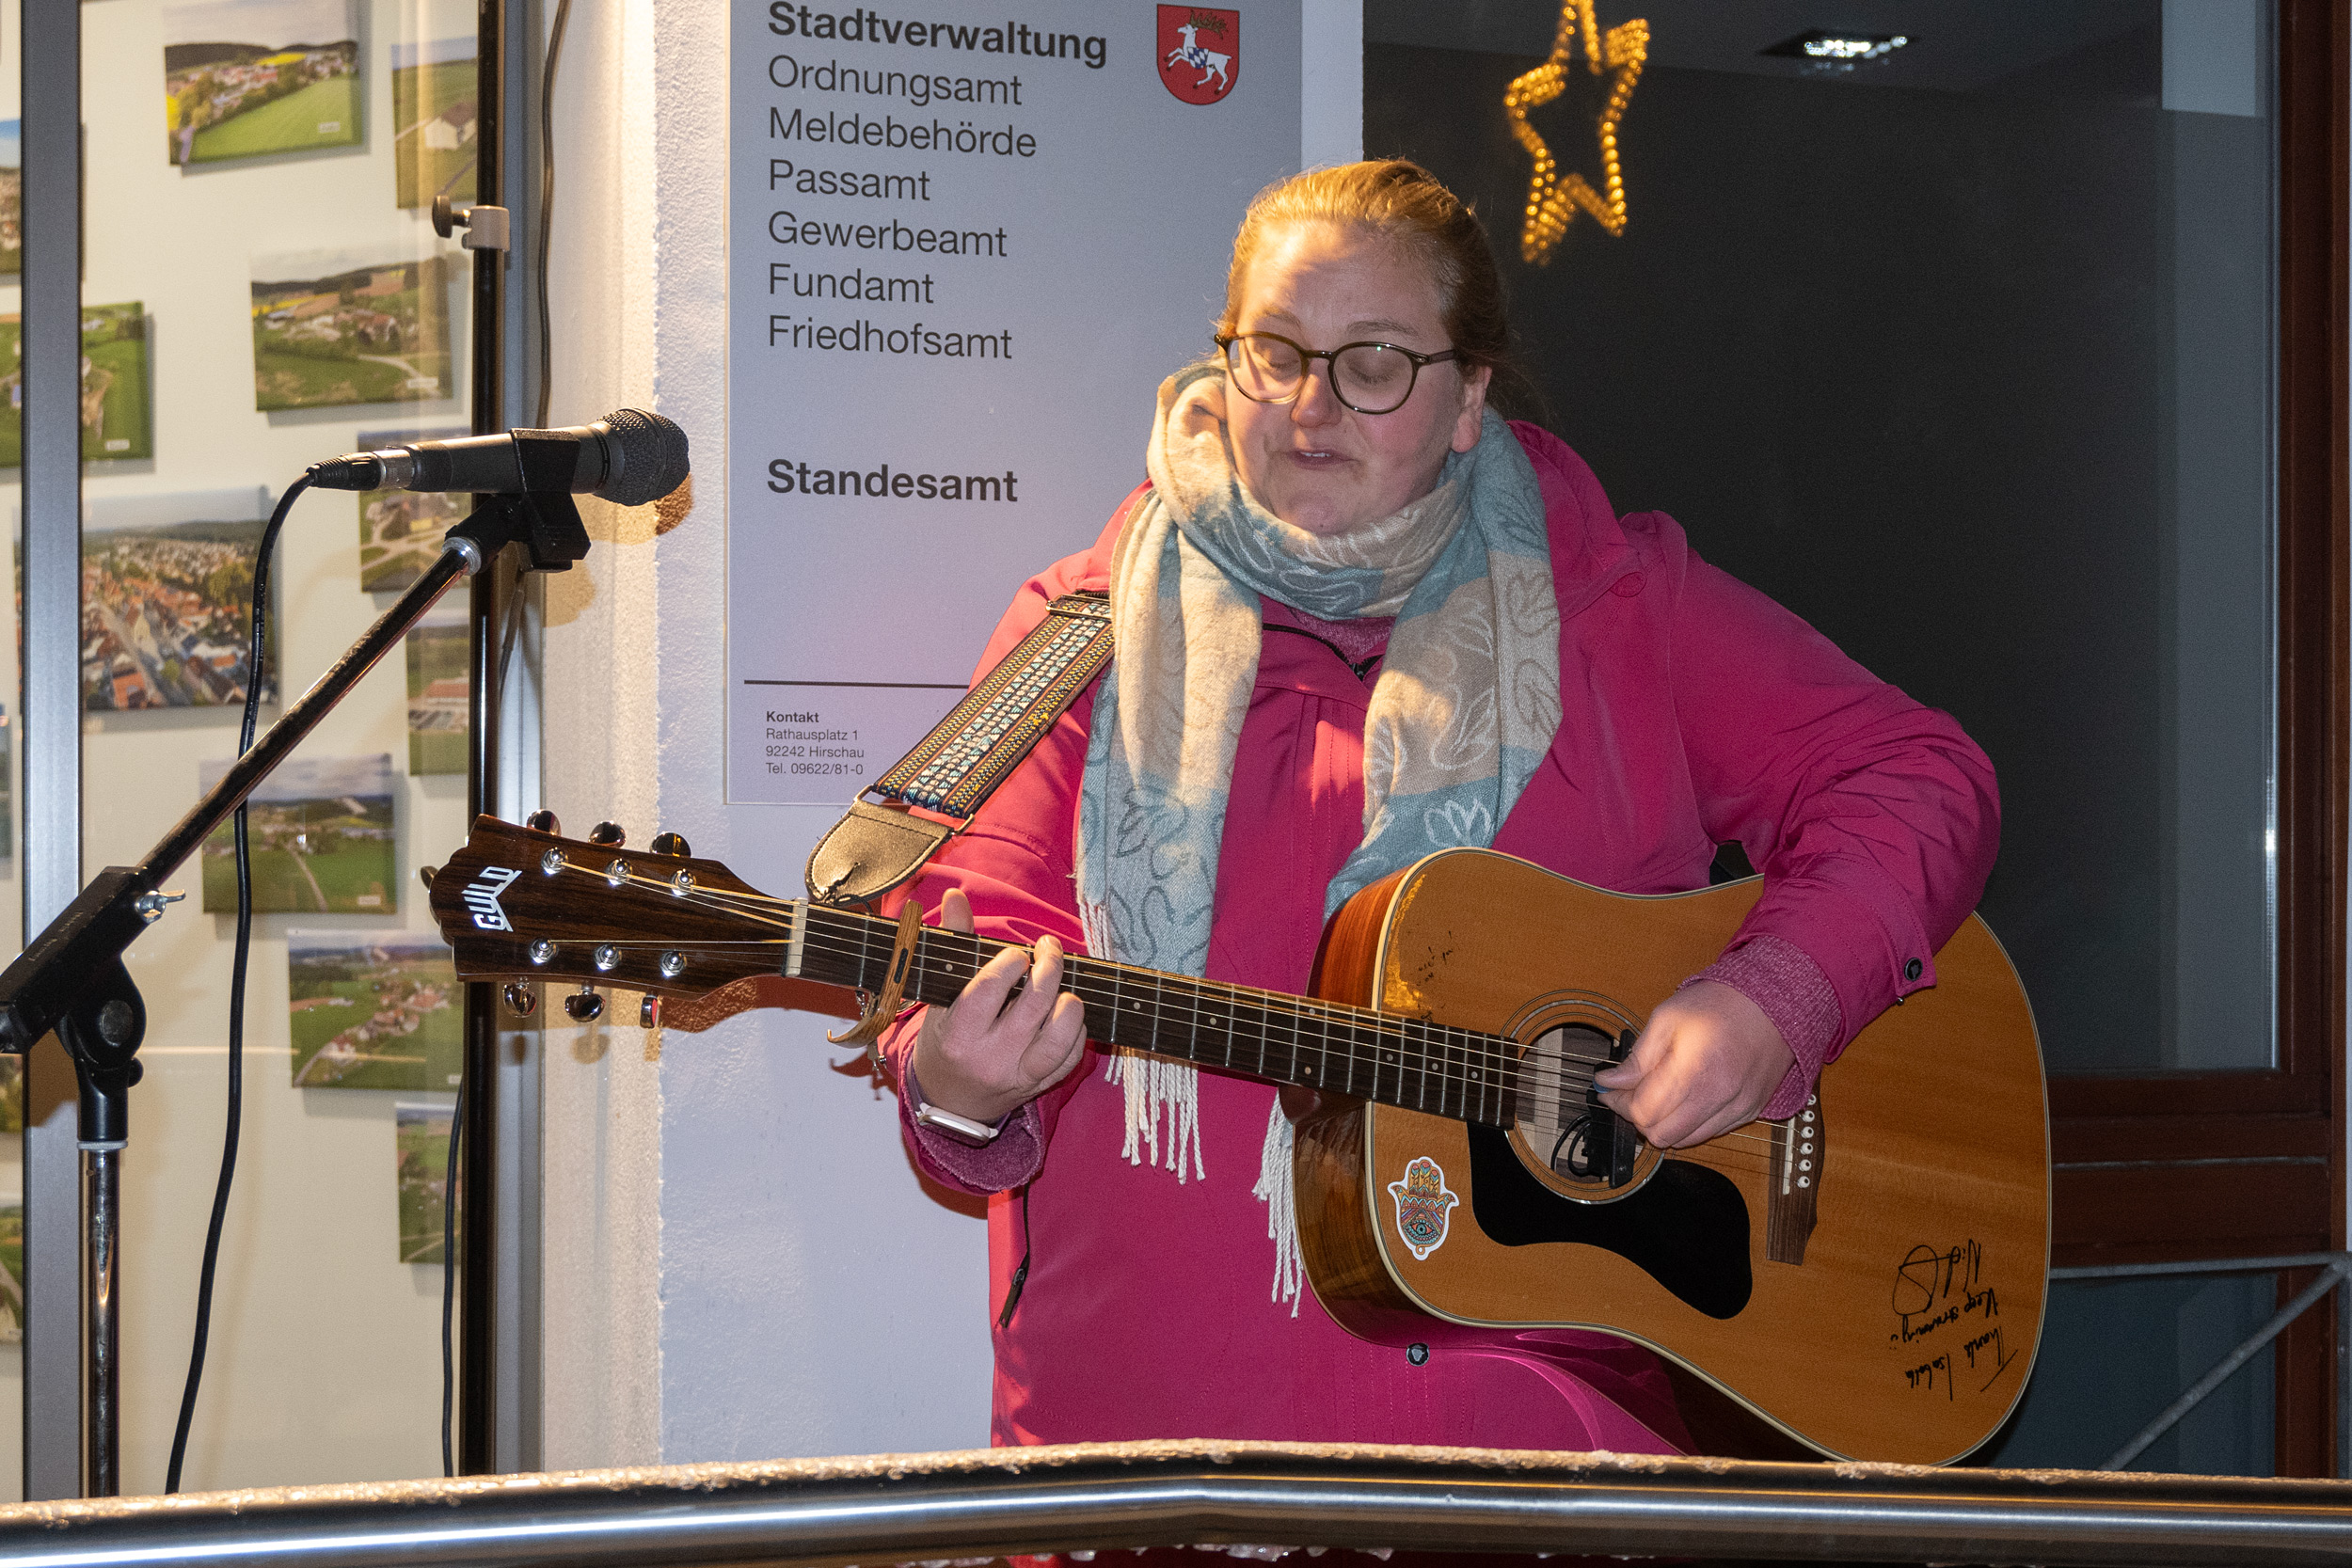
(1838,50)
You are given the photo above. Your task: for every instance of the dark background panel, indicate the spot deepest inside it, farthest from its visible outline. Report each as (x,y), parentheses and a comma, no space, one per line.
(1898,357)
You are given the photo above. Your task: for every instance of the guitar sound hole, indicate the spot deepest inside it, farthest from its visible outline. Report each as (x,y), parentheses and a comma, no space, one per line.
(1571,1136)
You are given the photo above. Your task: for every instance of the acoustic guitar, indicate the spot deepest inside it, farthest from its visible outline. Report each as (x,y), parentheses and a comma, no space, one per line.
(1867,1275)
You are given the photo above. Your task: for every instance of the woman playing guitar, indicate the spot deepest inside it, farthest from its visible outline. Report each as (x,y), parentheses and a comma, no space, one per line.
(1359,619)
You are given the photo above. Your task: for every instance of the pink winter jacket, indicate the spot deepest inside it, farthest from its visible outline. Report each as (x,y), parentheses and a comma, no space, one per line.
(1695,712)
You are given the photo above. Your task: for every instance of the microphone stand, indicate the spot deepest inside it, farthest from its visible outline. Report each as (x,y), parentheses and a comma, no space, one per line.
(70,979)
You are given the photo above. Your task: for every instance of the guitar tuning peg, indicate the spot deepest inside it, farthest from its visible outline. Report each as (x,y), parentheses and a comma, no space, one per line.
(426,873)
(672,843)
(584,1005)
(521,1000)
(544,821)
(649,1012)
(609,834)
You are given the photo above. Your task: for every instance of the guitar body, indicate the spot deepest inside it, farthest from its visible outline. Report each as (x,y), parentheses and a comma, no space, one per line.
(1870,1280)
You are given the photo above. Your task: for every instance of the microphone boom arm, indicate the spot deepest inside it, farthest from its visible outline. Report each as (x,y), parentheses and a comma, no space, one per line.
(72,973)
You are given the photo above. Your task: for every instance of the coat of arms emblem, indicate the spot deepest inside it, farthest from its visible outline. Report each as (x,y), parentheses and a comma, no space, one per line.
(1424,1207)
(1200,51)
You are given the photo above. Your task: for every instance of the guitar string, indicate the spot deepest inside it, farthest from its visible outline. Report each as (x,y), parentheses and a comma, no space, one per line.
(1372,1031)
(1389,1030)
(1383,1029)
(1716,1151)
(1514,1070)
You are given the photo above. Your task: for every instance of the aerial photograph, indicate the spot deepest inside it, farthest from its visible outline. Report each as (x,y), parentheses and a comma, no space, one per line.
(11,196)
(250,78)
(400,530)
(167,608)
(349,328)
(373,1010)
(421,1136)
(439,699)
(115,422)
(12,1274)
(322,839)
(435,88)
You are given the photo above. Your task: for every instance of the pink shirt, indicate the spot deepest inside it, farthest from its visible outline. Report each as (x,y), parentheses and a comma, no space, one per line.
(1695,712)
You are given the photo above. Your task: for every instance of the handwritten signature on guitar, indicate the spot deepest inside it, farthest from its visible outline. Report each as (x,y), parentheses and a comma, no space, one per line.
(1938,1291)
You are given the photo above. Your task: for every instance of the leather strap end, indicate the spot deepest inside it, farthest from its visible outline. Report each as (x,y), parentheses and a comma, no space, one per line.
(872,850)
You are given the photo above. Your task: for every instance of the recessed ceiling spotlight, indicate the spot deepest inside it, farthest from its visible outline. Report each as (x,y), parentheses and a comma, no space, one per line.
(1835,48)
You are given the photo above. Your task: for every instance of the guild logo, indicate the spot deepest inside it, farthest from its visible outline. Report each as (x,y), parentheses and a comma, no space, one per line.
(1200,51)
(482,896)
(1424,1207)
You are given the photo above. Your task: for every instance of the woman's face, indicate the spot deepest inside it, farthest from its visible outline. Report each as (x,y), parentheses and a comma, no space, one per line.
(1313,462)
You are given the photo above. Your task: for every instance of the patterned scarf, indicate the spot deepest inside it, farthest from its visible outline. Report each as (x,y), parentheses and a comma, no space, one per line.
(1464,710)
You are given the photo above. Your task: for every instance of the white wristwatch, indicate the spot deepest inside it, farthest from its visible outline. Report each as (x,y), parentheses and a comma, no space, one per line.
(964,1129)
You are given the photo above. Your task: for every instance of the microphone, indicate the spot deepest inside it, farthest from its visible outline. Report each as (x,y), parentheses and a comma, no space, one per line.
(628,457)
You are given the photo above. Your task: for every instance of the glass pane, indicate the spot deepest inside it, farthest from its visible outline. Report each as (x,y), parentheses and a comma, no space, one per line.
(2116,1352)
(1959,347)
(264,289)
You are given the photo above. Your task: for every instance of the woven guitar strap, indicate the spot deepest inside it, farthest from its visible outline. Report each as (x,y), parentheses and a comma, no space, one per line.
(883,841)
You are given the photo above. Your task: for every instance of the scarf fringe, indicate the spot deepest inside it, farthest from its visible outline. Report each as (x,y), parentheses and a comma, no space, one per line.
(1154,1084)
(1273,1190)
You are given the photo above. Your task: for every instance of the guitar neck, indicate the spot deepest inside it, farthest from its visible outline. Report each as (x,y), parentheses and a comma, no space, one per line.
(1343,1049)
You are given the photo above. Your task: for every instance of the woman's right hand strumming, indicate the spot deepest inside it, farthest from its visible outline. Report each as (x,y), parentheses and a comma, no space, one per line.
(983,1059)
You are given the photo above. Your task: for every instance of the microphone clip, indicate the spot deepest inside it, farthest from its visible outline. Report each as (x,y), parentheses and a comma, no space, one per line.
(542,517)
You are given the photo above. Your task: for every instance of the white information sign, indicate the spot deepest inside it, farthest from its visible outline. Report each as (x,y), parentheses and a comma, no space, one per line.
(966,243)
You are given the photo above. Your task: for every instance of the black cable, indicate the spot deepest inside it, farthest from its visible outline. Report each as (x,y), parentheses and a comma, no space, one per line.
(546,202)
(254,675)
(449,1273)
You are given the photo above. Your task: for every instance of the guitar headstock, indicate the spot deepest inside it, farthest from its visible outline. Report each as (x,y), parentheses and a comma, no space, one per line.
(521,903)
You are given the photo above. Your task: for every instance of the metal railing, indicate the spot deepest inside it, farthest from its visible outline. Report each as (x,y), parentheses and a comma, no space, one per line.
(887,1509)
(2336,1275)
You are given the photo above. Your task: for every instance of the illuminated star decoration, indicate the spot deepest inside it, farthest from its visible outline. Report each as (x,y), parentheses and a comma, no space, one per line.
(1553,197)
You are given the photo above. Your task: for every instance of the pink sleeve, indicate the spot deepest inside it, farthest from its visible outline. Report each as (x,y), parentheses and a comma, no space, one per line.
(1793,993)
(1874,819)
(1015,863)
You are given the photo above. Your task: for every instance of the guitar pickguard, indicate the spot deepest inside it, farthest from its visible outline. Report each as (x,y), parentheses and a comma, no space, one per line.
(1686,1226)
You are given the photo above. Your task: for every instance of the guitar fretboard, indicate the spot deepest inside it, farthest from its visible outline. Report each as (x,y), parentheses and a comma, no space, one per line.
(1407,1062)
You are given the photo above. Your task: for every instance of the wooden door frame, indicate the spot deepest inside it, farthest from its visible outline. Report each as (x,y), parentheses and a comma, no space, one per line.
(2198,1165)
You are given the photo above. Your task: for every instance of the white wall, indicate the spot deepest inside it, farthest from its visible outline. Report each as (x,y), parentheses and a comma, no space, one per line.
(739,1261)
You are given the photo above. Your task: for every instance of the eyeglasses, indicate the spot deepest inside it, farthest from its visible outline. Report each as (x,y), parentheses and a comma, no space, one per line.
(1370,378)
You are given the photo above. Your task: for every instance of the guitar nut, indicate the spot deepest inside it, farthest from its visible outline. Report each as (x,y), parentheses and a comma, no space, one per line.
(607,958)
(552,862)
(542,950)
(672,962)
(617,873)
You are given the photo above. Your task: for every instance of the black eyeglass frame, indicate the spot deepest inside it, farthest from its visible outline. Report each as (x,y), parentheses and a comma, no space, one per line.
(1307,357)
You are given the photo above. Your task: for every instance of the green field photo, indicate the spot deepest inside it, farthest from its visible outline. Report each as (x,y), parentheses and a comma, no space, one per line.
(12,1275)
(420,1139)
(438,704)
(435,93)
(258,78)
(373,1012)
(324,114)
(116,380)
(321,832)
(354,330)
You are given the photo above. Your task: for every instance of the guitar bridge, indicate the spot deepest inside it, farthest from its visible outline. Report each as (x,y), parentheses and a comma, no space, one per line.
(1798,1145)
